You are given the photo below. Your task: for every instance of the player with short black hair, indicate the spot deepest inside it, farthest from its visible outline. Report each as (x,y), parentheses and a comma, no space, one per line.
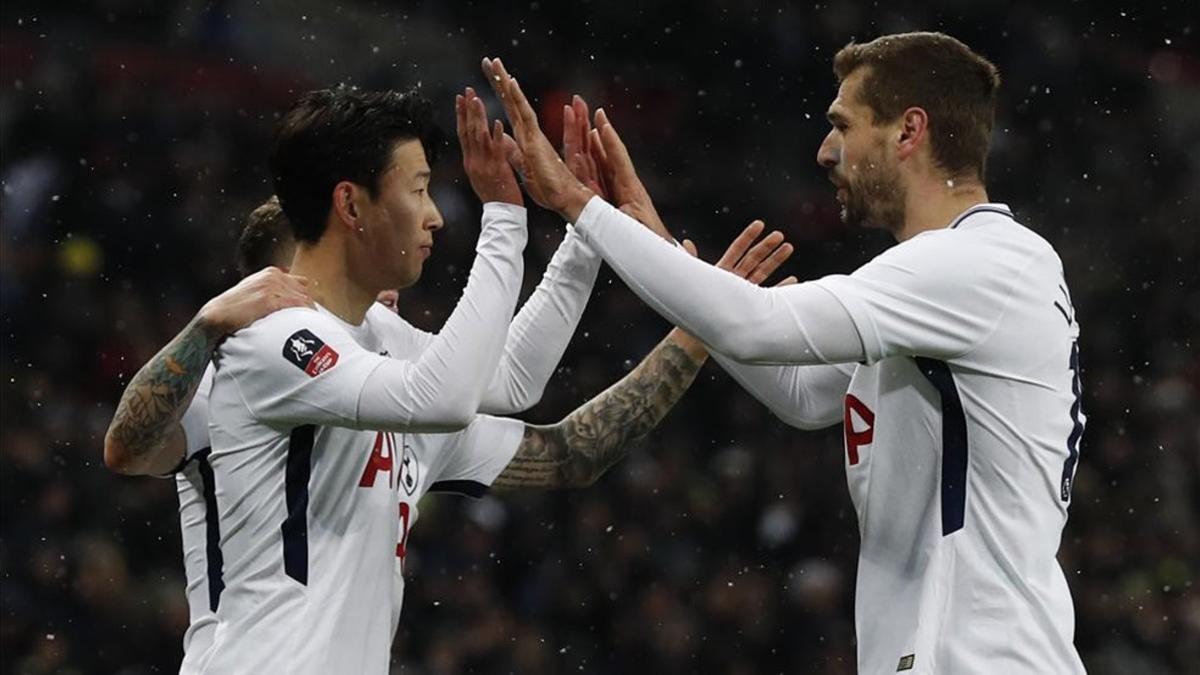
(322,419)
(343,134)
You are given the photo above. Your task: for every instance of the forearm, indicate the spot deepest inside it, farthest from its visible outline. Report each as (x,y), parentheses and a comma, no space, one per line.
(805,397)
(539,334)
(800,324)
(443,388)
(144,434)
(580,448)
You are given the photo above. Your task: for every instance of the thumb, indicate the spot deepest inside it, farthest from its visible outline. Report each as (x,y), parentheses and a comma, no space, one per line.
(690,247)
(787,282)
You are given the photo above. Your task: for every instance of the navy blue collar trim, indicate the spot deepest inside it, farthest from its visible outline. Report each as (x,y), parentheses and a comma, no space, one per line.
(981,208)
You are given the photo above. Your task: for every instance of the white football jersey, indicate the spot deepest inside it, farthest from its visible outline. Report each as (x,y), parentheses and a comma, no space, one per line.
(198,531)
(314,517)
(962,435)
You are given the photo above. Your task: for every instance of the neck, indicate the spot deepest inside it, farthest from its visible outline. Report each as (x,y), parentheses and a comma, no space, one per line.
(934,204)
(331,281)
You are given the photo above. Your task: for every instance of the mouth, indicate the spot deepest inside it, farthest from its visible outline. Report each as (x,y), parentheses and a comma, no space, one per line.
(841,187)
(426,250)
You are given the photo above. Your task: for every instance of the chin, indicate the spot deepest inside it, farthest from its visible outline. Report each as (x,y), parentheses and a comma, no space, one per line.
(406,280)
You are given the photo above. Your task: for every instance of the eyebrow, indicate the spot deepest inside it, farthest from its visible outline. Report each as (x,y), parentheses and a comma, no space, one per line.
(424,173)
(836,116)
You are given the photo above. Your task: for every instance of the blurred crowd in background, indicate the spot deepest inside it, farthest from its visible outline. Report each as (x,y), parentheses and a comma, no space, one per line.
(134,135)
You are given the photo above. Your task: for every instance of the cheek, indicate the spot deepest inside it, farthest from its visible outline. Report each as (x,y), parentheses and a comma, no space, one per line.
(402,216)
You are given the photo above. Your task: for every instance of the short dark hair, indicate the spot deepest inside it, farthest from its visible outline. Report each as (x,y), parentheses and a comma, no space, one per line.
(344,133)
(264,239)
(933,71)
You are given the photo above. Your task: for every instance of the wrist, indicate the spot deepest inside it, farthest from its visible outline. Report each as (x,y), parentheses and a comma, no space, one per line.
(691,346)
(503,197)
(209,323)
(574,202)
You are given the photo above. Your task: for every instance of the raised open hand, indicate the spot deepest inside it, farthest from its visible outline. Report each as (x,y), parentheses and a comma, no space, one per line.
(752,258)
(486,154)
(748,257)
(625,189)
(547,179)
(576,150)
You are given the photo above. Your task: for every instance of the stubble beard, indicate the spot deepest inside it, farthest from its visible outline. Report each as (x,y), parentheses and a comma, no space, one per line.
(875,198)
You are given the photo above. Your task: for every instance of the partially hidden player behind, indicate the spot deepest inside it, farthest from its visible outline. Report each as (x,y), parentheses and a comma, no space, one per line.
(951,359)
(322,444)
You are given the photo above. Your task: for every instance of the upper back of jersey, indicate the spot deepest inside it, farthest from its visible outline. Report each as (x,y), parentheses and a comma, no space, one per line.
(962,434)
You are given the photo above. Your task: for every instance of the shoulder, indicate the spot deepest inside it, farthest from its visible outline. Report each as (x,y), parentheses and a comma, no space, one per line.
(382,318)
(979,250)
(285,322)
(295,333)
(401,335)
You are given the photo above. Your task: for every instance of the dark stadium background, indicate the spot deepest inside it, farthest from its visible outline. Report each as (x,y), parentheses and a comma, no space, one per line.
(133,141)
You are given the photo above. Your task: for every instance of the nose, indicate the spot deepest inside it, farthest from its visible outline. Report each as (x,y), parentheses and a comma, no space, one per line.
(433,220)
(830,150)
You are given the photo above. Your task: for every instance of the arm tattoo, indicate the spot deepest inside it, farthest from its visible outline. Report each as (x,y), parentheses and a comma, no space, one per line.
(577,450)
(160,392)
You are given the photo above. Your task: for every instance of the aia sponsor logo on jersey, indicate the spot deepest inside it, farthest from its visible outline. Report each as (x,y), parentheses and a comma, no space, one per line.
(309,353)
(383,459)
(859,424)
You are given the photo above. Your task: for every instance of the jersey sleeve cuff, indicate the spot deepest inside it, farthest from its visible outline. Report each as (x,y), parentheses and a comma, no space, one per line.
(591,218)
(508,440)
(505,211)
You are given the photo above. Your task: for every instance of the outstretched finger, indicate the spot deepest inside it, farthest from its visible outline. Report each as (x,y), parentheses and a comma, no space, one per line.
(498,136)
(517,107)
(498,78)
(767,267)
(571,143)
(758,253)
(603,170)
(460,113)
(614,147)
(529,120)
(788,281)
(690,247)
(740,245)
(477,126)
(579,108)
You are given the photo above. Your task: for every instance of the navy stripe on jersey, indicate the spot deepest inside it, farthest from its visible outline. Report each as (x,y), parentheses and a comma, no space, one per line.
(1068,475)
(983,208)
(295,526)
(954,443)
(215,560)
(469,488)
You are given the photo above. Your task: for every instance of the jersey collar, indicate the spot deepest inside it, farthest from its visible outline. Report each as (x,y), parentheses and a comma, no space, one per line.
(1002,209)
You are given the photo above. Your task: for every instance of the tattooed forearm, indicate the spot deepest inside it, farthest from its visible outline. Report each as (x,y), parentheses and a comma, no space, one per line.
(155,399)
(579,449)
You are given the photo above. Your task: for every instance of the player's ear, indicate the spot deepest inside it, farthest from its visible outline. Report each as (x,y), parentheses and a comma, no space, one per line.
(345,204)
(914,125)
